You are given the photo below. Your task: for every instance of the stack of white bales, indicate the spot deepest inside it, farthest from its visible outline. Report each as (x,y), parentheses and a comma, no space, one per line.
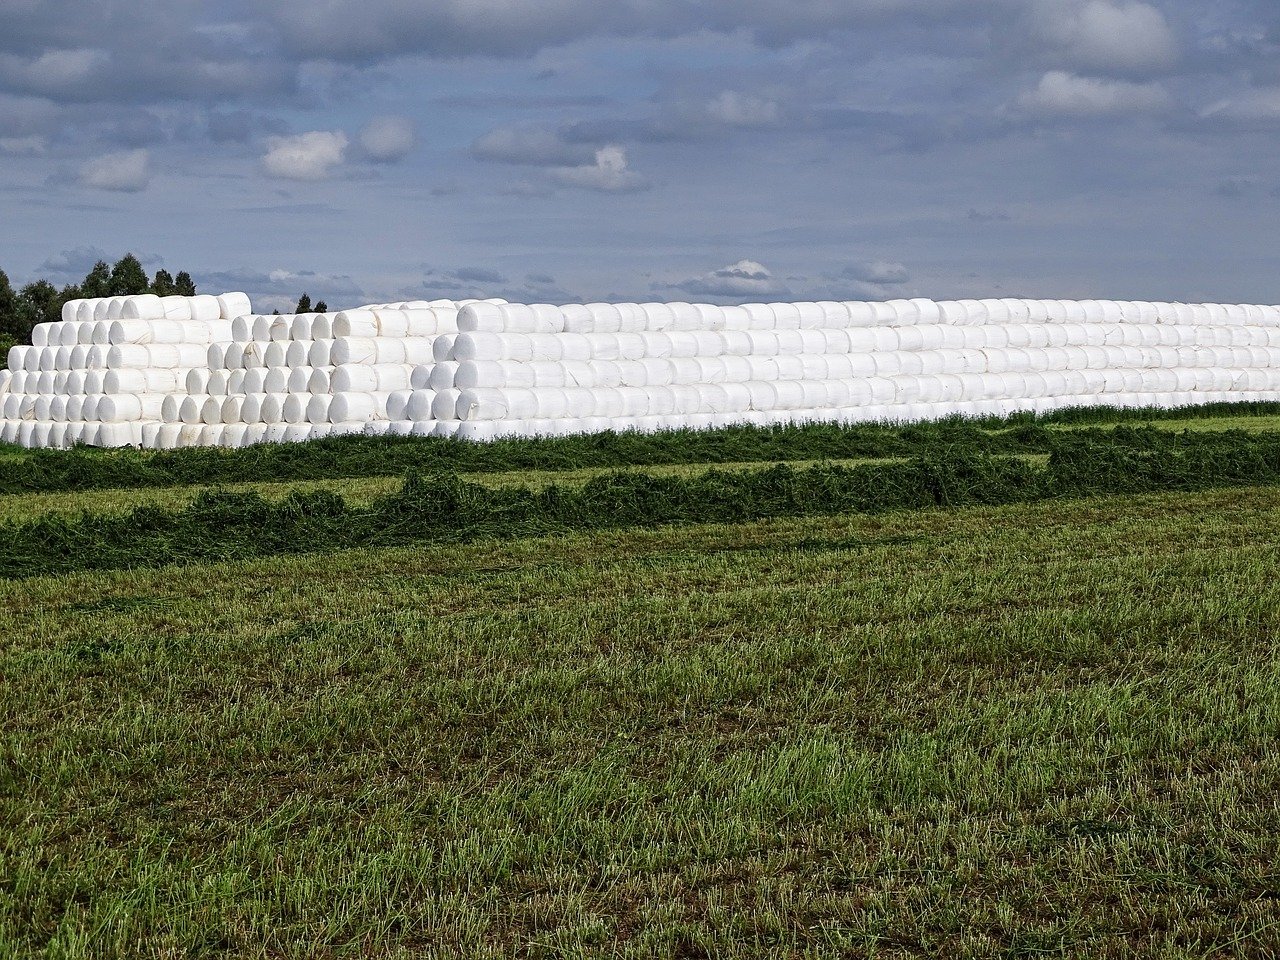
(204,370)
(517,369)
(297,377)
(101,374)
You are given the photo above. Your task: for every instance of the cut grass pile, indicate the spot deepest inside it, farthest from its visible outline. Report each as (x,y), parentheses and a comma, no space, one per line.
(1035,730)
(436,507)
(356,491)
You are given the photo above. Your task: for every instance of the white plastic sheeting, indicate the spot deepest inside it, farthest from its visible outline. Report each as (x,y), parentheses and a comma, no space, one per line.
(176,371)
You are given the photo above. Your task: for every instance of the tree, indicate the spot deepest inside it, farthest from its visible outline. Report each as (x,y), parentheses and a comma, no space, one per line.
(184,286)
(304,304)
(128,277)
(97,283)
(8,318)
(322,307)
(8,304)
(163,285)
(38,302)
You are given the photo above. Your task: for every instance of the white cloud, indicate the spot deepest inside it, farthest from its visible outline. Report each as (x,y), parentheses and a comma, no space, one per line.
(54,70)
(1106,36)
(128,171)
(1260,104)
(1065,94)
(610,173)
(386,139)
(307,156)
(744,279)
(23,145)
(742,110)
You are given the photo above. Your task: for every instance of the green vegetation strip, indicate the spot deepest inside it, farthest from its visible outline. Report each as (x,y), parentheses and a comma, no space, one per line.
(444,507)
(1046,730)
(357,491)
(86,469)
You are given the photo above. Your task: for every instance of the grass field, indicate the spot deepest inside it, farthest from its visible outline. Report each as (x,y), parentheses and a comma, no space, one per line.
(1028,730)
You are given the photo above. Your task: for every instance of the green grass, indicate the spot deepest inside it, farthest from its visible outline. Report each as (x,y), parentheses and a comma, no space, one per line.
(1249,424)
(359,491)
(1034,730)
(594,698)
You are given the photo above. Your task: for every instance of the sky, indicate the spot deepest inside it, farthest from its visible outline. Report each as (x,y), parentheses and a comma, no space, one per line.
(721,150)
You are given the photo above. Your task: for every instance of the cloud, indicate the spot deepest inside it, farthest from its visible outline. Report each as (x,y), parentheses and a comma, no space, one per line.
(1235,188)
(128,171)
(468,281)
(744,279)
(478,275)
(387,139)
(361,32)
(735,109)
(279,289)
(1261,104)
(609,174)
(27,146)
(144,51)
(73,263)
(1105,36)
(880,272)
(1065,94)
(240,126)
(306,156)
(530,146)
(54,71)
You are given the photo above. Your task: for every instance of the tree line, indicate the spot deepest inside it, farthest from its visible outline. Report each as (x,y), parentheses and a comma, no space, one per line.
(41,302)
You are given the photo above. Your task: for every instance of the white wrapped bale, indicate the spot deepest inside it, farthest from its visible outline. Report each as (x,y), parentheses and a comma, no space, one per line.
(232,305)
(272,327)
(295,407)
(146,306)
(444,406)
(318,407)
(320,380)
(358,323)
(169,355)
(276,379)
(357,407)
(321,353)
(419,405)
(128,407)
(141,380)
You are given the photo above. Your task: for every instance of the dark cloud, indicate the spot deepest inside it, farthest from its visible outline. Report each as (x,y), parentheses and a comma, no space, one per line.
(367,31)
(241,126)
(72,265)
(478,275)
(532,146)
(280,289)
(987,216)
